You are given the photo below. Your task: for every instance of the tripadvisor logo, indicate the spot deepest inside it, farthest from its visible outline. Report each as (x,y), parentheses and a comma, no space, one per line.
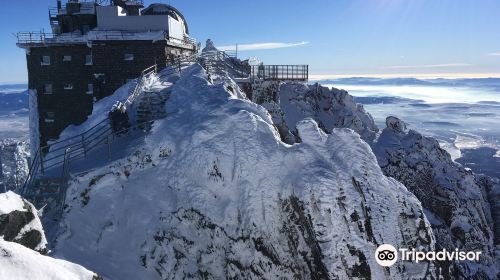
(387,255)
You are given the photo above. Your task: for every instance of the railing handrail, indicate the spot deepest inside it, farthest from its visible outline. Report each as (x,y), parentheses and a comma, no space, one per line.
(298,72)
(26,37)
(140,83)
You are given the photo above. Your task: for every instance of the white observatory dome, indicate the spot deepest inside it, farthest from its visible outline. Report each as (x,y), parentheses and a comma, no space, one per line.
(164,9)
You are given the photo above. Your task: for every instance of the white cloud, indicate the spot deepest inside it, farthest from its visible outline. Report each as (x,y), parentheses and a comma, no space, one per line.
(262,46)
(448,65)
(494,54)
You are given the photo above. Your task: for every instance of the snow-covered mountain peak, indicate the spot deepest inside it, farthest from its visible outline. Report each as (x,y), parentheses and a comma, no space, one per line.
(209,46)
(212,192)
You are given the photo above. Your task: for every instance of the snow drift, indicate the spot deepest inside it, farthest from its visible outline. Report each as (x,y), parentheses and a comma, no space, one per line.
(19,263)
(22,240)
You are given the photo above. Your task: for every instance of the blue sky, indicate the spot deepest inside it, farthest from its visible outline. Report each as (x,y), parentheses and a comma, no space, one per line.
(335,37)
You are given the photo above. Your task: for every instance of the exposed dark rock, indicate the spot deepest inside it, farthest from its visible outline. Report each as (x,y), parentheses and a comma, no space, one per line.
(30,239)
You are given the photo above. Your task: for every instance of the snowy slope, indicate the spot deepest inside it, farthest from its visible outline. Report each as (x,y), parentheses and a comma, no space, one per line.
(213,193)
(456,201)
(20,263)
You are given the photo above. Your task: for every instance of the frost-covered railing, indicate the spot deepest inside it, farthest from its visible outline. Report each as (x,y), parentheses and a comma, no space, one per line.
(59,155)
(38,193)
(55,154)
(140,83)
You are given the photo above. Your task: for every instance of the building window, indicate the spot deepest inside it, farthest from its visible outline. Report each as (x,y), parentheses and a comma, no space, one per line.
(47,89)
(88,59)
(68,86)
(67,58)
(45,60)
(50,117)
(128,57)
(90,88)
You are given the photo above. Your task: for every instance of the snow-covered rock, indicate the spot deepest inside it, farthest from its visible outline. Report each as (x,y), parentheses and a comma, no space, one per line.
(396,125)
(455,200)
(19,222)
(289,103)
(20,263)
(209,47)
(22,243)
(212,192)
(14,169)
(461,205)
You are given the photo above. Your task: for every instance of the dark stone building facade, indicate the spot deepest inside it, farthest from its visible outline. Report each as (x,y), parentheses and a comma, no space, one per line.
(70,71)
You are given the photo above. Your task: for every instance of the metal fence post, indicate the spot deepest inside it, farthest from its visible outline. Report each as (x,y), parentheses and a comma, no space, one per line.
(41,160)
(83,146)
(109,147)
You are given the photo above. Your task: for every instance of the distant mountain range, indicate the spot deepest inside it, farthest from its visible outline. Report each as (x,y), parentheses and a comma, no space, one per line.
(478,82)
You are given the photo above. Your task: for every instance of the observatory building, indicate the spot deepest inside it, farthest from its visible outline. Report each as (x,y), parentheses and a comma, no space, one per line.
(94,48)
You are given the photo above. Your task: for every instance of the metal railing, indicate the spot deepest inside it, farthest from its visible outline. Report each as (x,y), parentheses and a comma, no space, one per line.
(54,154)
(140,83)
(281,72)
(42,37)
(222,60)
(33,37)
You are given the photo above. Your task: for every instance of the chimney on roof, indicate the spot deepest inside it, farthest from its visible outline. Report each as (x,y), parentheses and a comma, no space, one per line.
(132,7)
(59,5)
